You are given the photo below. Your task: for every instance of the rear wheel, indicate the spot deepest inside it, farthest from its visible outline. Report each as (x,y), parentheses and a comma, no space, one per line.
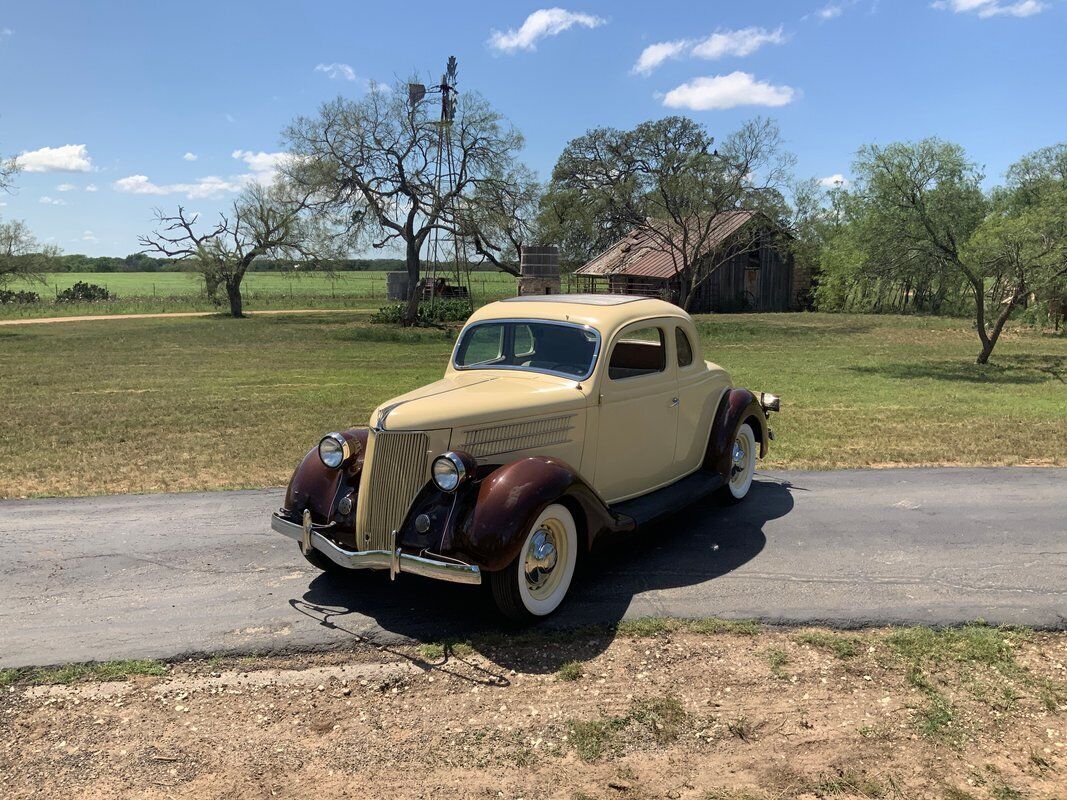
(743,455)
(535,583)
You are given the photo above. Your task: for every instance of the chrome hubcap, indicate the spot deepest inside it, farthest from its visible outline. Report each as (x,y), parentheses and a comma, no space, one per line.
(739,459)
(541,557)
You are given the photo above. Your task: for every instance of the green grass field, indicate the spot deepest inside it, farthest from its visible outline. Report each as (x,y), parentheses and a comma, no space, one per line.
(160,292)
(215,403)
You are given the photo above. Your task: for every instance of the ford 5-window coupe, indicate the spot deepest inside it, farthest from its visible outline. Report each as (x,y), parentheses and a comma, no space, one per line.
(560,420)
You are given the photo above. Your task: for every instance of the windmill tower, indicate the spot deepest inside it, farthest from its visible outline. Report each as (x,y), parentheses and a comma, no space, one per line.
(446,252)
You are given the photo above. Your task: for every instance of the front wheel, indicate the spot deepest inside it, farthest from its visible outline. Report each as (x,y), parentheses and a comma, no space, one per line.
(535,583)
(317,559)
(742,466)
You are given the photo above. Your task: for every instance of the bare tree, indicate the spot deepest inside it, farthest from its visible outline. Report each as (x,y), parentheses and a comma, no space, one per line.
(8,169)
(371,166)
(666,181)
(502,219)
(22,256)
(263,222)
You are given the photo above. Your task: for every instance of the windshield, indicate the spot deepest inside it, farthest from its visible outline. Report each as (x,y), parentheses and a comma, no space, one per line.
(554,347)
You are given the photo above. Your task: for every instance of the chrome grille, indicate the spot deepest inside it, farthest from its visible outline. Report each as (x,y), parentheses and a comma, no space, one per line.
(394,471)
(518,436)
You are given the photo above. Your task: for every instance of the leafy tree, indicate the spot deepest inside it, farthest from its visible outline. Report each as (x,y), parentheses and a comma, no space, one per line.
(263,222)
(502,218)
(21,255)
(371,167)
(667,180)
(918,220)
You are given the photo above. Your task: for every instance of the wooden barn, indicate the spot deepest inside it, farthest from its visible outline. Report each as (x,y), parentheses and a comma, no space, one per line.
(754,271)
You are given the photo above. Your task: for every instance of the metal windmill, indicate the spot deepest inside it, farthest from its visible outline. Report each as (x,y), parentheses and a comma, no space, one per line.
(444,245)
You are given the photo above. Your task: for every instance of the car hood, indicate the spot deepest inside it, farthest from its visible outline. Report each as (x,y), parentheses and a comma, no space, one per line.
(478,396)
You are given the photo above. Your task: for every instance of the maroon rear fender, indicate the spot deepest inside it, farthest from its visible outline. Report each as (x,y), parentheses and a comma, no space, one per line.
(510,498)
(736,407)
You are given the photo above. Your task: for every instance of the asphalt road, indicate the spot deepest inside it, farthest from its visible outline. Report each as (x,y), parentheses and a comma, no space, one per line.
(169,575)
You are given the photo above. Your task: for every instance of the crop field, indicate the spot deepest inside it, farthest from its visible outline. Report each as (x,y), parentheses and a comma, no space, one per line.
(160,292)
(217,403)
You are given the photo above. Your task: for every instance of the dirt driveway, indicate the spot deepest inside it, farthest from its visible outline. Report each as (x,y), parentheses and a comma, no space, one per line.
(660,710)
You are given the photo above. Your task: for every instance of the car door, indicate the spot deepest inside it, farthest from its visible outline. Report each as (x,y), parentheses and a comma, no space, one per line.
(699,392)
(638,413)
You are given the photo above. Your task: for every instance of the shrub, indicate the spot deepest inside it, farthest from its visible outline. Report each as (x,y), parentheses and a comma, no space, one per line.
(20,297)
(82,292)
(427,316)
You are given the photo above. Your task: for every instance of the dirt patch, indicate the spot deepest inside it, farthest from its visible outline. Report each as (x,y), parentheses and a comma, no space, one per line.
(657,713)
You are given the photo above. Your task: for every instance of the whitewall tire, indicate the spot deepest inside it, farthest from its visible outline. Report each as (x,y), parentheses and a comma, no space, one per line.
(744,450)
(535,583)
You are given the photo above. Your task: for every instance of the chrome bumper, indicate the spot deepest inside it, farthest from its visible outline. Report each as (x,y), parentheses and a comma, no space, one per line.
(395,561)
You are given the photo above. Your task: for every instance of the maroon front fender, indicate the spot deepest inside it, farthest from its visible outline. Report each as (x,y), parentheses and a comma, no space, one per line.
(316,487)
(510,498)
(736,406)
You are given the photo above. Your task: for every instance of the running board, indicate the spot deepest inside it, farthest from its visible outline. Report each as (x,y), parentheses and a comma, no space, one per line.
(660,503)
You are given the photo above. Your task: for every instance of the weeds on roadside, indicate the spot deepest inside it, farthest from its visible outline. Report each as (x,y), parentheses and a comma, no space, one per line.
(570,671)
(657,626)
(103,671)
(777,659)
(844,647)
(663,718)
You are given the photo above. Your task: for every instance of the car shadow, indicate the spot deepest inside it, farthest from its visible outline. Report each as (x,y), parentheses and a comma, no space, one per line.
(695,545)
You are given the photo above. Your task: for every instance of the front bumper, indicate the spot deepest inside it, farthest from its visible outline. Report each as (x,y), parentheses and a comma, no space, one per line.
(309,537)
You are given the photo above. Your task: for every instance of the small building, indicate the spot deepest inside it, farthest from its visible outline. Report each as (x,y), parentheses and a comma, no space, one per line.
(751,268)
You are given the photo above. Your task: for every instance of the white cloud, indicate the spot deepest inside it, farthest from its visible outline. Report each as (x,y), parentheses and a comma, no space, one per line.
(91,187)
(740,43)
(66,187)
(203,187)
(52,201)
(993,8)
(89,236)
(262,168)
(655,54)
(230,118)
(337,71)
(5,32)
(68,158)
(727,91)
(722,43)
(541,23)
(190,157)
(830,181)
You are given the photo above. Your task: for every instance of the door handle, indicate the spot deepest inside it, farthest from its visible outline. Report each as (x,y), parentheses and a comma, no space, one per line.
(674,402)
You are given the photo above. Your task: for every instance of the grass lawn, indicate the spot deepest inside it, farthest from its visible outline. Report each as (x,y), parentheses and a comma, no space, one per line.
(157,292)
(217,403)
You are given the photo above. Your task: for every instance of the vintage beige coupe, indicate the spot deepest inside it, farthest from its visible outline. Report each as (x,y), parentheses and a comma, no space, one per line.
(560,419)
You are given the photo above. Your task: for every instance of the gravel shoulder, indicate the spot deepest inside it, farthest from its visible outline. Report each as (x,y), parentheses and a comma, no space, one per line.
(653,710)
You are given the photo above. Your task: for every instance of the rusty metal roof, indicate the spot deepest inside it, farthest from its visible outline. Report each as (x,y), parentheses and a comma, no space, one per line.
(637,254)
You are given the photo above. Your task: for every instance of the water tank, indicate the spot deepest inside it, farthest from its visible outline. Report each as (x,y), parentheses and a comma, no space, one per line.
(540,262)
(396,285)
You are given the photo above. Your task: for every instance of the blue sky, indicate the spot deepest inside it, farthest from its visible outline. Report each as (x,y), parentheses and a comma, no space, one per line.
(151,104)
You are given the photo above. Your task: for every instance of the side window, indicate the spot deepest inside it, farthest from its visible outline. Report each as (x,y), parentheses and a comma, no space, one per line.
(685,350)
(483,344)
(638,352)
(524,341)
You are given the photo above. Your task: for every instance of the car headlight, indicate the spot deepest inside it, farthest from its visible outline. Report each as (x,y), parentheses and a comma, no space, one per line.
(334,450)
(448,472)
(770,402)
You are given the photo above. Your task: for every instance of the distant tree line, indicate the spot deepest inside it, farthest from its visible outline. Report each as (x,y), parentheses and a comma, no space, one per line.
(142,262)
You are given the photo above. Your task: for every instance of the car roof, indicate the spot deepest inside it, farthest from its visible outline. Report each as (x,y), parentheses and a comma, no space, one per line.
(605,312)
